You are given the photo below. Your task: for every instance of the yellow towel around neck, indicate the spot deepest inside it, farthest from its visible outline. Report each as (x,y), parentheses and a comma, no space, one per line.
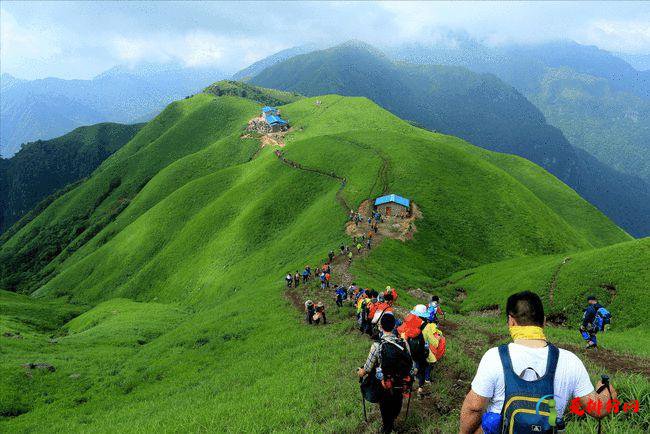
(527,332)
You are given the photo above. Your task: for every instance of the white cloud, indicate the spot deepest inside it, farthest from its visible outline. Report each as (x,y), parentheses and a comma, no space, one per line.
(22,43)
(628,36)
(194,48)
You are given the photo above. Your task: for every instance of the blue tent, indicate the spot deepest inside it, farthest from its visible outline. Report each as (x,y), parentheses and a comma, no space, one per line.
(393,198)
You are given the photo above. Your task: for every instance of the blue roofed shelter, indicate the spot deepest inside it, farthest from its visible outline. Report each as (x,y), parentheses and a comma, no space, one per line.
(393,205)
(273,119)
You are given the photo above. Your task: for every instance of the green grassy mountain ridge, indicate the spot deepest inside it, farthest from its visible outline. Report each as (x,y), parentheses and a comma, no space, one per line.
(160,275)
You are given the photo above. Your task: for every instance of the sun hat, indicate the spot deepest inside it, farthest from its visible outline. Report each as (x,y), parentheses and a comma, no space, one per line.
(421,311)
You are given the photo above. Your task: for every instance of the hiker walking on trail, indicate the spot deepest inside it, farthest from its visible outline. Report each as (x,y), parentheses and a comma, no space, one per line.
(368,244)
(340,295)
(328,276)
(386,375)
(320,314)
(310,310)
(536,380)
(289,279)
(331,255)
(350,257)
(435,311)
(435,344)
(411,331)
(359,247)
(594,319)
(296,279)
(305,275)
(323,282)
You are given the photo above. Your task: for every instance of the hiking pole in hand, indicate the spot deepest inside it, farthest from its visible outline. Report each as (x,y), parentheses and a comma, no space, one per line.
(605,380)
(363,401)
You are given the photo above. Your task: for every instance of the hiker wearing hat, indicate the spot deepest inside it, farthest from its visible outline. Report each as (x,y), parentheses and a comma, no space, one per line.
(310,310)
(320,313)
(594,319)
(389,366)
(526,385)
(411,331)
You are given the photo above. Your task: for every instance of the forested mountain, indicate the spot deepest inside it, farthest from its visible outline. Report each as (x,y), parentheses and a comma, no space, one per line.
(42,109)
(41,168)
(601,103)
(477,107)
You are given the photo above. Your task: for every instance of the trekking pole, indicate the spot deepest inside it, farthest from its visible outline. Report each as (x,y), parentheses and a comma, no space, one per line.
(408,403)
(363,402)
(605,379)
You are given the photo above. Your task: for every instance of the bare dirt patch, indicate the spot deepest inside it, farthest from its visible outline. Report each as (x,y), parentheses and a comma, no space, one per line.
(390,227)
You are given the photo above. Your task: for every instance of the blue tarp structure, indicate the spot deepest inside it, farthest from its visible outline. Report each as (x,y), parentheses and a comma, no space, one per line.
(273,120)
(393,198)
(269,110)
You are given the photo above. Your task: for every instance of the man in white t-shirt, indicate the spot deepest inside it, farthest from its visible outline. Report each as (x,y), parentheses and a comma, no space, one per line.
(528,357)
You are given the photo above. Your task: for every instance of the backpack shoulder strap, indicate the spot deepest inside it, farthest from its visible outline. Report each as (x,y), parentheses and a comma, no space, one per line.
(551,363)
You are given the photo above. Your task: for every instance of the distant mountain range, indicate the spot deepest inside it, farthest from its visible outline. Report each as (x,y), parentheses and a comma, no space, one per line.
(42,167)
(477,107)
(46,108)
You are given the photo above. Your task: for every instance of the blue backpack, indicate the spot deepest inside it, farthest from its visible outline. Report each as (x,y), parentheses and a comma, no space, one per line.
(529,406)
(604,316)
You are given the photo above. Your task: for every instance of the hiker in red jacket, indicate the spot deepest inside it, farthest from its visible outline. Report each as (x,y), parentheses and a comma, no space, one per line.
(411,332)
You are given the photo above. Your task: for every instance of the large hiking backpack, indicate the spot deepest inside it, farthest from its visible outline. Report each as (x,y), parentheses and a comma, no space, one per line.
(603,317)
(439,351)
(529,405)
(417,347)
(395,362)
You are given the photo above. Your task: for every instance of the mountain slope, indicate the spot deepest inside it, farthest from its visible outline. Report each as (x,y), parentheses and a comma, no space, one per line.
(564,281)
(175,246)
(477,107)
(46,108)
(42,167)
(257,67)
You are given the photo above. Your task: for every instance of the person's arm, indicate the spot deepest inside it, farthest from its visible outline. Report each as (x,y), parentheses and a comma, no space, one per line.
(604,397)
(373,356)
(472,412)
(589,316)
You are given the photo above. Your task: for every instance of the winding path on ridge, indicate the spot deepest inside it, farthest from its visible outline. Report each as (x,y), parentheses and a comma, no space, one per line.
(473,338)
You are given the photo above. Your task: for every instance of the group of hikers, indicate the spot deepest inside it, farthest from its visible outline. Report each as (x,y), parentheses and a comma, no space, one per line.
(520,387)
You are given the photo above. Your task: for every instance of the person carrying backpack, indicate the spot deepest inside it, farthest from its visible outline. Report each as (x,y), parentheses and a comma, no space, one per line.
(296,279)
(289,279)
(310,310)
(320,314)
(435,312)
(435,346)
(594,320)
(411,331)
(537,380)
(331,255)
(340,295)
(388,366)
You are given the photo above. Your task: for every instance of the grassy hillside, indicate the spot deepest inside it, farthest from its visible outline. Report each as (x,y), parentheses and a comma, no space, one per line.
(42,167)
(617,274)
(174,250)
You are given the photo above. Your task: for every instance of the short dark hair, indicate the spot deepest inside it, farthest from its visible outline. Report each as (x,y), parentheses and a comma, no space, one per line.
(388,296)
(387,322)
(592,297)
(526,308)
(435,298)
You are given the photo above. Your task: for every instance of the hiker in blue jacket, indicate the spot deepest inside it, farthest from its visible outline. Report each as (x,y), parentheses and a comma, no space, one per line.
(594,320)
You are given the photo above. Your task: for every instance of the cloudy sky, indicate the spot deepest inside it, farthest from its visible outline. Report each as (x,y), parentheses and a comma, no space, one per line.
(80,40)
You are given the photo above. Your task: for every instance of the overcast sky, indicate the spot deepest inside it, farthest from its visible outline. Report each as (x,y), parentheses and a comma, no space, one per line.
(80,40)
